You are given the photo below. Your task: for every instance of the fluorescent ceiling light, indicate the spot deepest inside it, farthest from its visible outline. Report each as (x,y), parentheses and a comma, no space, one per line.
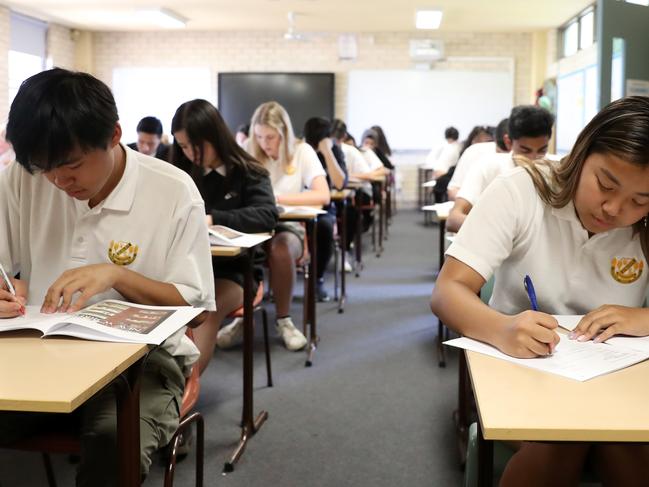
(428,19)
(163,17)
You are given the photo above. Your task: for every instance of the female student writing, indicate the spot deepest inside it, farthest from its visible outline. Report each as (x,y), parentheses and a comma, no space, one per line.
(237,193)
(571,226)
(298,179)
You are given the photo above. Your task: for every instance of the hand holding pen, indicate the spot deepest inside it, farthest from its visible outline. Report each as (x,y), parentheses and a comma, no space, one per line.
(12,304)
(531,294)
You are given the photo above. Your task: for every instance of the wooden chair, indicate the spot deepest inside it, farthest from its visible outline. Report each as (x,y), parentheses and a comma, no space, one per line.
(67,442)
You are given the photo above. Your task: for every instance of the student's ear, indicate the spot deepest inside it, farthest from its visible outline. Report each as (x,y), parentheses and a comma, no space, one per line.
(117,135)
(507,141)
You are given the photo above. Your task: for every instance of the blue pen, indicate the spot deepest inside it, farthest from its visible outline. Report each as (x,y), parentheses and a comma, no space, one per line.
(529,287)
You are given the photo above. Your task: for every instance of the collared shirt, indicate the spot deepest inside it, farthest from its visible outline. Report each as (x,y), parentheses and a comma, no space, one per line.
(448,156)
(372,159)
(299,174)
(511,233)
(356,164)
(153,223)
(470,157)
(483,173)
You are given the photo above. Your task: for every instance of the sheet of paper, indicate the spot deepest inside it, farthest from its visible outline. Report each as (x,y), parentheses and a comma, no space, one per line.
(442,209)
(299,210)
(575,360)
(33,319)
(568,322)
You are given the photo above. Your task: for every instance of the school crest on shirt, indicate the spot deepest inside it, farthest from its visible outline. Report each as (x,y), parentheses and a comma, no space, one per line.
(122,253)
(626,270)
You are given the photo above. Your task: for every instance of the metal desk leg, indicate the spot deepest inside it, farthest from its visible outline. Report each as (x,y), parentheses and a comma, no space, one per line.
(310,301)
(485,459)
(358,242)
(343,246)
(249,425)
(381,220)
(128,425)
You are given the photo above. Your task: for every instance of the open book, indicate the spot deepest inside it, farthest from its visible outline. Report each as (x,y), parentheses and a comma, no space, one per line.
(300,210)
(226,236)
(108,321)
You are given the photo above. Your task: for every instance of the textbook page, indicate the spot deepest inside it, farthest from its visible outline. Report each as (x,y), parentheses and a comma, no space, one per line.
(300,210)
(226,236)
(576,360)
(109,320)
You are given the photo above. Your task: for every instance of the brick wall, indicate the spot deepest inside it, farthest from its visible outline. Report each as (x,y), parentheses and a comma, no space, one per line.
(60,46)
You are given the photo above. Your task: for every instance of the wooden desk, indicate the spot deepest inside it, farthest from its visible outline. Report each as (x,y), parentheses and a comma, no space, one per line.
(57,375)
(249,424)
(309,316)
(342,198)
(518,403)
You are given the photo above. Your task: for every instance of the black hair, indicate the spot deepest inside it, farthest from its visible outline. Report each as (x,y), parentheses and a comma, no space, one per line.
(338,129)
(150,125)
(316,129)
(244,128)
(202,122)
(451,133)
(530,121)
(382,142)
(502,129)
(56,112)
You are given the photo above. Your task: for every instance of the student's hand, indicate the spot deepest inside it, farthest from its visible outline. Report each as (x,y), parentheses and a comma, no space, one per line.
(325,144)
(529,334)
(10,305)
(609,320)
(88,281)
(208,220)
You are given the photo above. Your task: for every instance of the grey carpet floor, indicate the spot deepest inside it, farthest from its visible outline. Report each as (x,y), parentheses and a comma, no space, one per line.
(374,410)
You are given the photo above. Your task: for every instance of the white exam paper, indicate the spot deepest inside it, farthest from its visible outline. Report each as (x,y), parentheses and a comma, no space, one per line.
(576,360)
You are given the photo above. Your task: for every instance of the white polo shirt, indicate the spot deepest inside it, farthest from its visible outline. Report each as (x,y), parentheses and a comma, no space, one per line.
(155,207)
(356,164)
(470,156)
(372,159)
(511,232)
(304,167)
(448,156)
(484,172)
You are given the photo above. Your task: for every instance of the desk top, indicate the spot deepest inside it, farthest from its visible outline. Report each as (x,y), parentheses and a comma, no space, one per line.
(223,251)
(519,403)
(341,195)
(300,215)
(57,375)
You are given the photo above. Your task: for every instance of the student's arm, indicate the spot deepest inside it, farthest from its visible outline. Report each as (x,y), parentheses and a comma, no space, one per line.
(452,193)
(317,195)
(88,281)
(608,320)
(336,172)
(456,303)
(458,214)
(258,212)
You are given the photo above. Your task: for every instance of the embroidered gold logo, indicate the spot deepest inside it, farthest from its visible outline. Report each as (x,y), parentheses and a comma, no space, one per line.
(290,170)
(122,253)
(626,269)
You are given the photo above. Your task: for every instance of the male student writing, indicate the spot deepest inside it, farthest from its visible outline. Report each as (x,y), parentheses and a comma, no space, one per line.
(73,194)
(529,132)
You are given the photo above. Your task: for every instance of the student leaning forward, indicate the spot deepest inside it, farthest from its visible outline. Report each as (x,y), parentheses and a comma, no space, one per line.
(579,229)
(74,191)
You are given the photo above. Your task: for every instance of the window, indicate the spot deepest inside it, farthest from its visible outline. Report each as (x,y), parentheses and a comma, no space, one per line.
(578,33)
(27,50)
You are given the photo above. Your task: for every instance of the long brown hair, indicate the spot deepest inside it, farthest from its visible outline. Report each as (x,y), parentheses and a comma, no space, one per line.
(622,129)
(202,122)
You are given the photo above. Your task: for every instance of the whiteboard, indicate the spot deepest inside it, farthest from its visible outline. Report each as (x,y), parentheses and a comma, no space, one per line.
(414,107)
(158,92)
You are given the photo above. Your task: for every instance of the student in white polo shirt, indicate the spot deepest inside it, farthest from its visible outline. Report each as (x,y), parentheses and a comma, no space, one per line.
(528,135)
(74,195)
(298,179)
(579,230)
(467,160)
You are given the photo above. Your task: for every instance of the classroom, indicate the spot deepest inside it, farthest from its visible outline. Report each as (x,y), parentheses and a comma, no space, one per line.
(324,243)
